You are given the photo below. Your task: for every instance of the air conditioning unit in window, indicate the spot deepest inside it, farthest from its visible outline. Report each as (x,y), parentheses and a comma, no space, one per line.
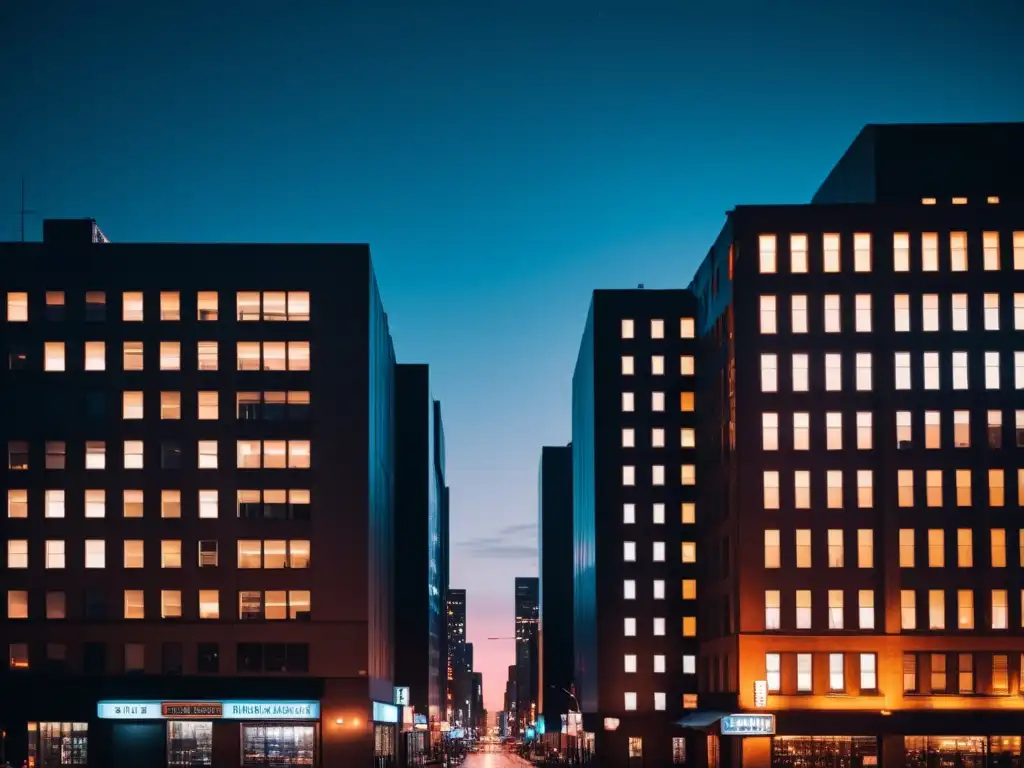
(904,445)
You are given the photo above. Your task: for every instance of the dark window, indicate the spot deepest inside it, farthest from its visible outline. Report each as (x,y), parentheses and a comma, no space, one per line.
(94,658)
(54,305)
(208,657)
(94,406)
(95,604)
(250,657)
(17,358)
(172,655)
(995,435)
(95,306)
(56,454)
(279,657)
(17,454)
(170,454)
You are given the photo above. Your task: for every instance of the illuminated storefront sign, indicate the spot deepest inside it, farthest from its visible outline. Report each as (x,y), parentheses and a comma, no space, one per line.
(760,694)
(384,713)
(401,696)
(208,710)
(748,725)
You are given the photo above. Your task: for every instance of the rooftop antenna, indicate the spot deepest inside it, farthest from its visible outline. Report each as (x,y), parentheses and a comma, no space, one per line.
(24,211)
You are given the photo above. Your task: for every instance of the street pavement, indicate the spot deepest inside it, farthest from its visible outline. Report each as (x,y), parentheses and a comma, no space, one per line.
(494,760)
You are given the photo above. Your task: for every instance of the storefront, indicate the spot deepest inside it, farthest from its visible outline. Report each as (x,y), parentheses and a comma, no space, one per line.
(385,734)
(191,734)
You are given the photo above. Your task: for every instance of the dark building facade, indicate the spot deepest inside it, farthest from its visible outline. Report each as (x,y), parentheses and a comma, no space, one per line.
(478,715)
(860,535)
(527,608)
(444,550)
(634,492)
(182,424)
(421,618)
(458,662)
(555,671)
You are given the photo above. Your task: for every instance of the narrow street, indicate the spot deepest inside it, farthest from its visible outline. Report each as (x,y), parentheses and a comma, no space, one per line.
(496,759)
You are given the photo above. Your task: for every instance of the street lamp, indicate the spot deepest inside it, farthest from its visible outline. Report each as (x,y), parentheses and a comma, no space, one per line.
(577,725)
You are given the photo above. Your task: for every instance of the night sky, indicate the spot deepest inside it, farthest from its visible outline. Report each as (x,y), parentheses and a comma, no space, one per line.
(502,159)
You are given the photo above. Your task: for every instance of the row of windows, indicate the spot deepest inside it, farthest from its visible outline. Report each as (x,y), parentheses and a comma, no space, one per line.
(688,513)
(687,437)
(687,475)
(998,615)
(282,504)
(687,328)
(250,454)
(831,252)
(832,314)
(686,402)
(250,657)
(252,553)
(932,423)
(687,366)
(249,306)
(931,479)
(903,378)
(249,356)
(629,626)
(689,589)
(688,550)
(867,671)
(865,547)
(273,604)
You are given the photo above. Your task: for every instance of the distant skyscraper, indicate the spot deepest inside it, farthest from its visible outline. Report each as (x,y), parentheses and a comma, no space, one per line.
(634,475)
(458,651)
(527,614)
(512,722)
(478,716)
(555,674)
(422,619)
(444,672)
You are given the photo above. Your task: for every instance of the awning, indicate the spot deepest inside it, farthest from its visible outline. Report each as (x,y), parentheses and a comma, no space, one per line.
(700,719)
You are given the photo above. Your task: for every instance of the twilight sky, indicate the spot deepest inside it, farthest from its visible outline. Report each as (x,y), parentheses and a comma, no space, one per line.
(501,158)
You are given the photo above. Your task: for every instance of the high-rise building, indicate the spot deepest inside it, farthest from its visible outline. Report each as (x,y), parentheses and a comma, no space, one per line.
(511,720)
(419,493)
(860,528)
(444,666)
(457,653)
(554,633)
(199,503)
(527,613)
(634,492)
(478,715)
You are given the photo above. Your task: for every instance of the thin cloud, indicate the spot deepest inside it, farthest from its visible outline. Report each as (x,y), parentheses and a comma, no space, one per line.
(506,544)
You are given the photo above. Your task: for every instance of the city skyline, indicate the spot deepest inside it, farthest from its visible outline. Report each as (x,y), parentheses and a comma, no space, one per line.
(575,204)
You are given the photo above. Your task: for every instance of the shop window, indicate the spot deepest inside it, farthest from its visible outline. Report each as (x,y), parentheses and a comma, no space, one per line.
(208,658)
(824,751)
(58,744)
(189,744)
(966,751)
(277,744)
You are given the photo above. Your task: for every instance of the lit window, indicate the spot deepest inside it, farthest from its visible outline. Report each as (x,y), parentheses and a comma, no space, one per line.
(209,406)
(862,252)
(798,313)
(689,626)
(658,513)
(657,401)
(965,609)
(170,305)
(629,589)
(863,371)
(629,663)
(1018,250)
(131,405)
(629,627)
(206,305)
(1000,673)
(134,454)
(965,662)
(910,673)
(628,475)
(770,431)
(901,252)
(833,314)
(798,261)
(208,554)
(17,553)
(53,356)
(686,365)
(628,438)
(771,489)
(773,671)
(627,329)
(689,589)
(804,676)
(772,610)
(1018,370)
(996,488)
(833,372)
(835,609)
(134,553)
(767,251)
(901,310)
(689,474)
(687,437)
(659,701)
(659,627)
(133,503)
(657,329)
(772,549)
(769,324)
(686,402)
(936,548)
(170,503)
(95,553)
(902,371)
(207,454)
(1000,609)
(170,405)
(960,380)
(95,356)
(54,504)
(658,475)
(1018,311)
(170,604)
(132,356)
(627,402)
(629,701)
(836,555)
(998,547)
(170,554)
(958,251)
(933,487)
(834,489)
(995,429)
(769,373)
(906,547)
(931,370)
(17,607)
(865,548)
(991,370)
(659,663)
(864,427)
(689,665)
(929,252)
(209,604)
(963,487)
(803,548)
(908,609)
(930,312)
(17,307)
(932,430)
(801,372)
(803,609)
(132,306)
(95,503)
(830,252)
(54,553)
(862,313)
(866,609)
(248,355)
(990,250)
(95,455)
(959,201)
(628,514)
(208,504)
(834,431)
(688,552)
(627,365)
(170,356)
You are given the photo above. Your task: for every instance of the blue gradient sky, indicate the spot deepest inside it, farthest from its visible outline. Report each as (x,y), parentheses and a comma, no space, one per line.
(501,158)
